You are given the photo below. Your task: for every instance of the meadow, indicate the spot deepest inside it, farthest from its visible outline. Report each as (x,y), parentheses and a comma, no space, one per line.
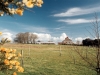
(53,59)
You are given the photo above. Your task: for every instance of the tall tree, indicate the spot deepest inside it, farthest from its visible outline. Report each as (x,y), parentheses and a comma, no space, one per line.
(33,37)
(26,38)
(93,61)
(19,38)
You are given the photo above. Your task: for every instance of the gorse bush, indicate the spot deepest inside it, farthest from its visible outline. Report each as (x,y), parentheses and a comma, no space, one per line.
(9,63)
(11,7)
(9,57)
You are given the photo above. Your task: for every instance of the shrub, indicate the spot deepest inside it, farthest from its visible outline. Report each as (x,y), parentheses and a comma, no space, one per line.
(9,63)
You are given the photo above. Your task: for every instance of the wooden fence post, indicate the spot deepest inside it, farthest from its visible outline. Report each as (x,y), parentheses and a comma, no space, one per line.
(86,53)
(60,50)
(29,52)
(22,63)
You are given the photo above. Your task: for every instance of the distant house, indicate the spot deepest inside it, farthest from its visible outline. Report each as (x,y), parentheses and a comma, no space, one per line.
(66,41)
(48,43)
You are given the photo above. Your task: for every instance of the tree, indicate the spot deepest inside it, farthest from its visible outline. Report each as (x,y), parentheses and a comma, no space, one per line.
(19,38)
(95,63)
(11,7)
(97,35)
(25,38)
(8,60)
(33,37)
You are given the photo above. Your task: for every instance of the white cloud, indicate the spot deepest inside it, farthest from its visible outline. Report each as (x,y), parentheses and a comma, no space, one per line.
(36,29)
(43,36)
(77,11)
(29,28)
(77,21)
(63,36)
(7,35)
(79,39)
(47,37)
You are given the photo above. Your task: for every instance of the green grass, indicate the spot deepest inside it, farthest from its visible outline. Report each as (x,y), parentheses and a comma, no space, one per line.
(46,60)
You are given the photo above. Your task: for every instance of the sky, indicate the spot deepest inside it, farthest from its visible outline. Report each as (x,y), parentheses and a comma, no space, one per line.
(54,21)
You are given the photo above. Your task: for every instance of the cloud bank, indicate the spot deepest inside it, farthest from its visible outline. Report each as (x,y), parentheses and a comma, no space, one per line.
(75,21)
(43,37)
(7,35)
(79,39)
(77,11)
(10,35)
(47,37)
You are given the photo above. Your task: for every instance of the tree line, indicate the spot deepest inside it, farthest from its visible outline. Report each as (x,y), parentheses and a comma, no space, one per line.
(26,38)
(90,42)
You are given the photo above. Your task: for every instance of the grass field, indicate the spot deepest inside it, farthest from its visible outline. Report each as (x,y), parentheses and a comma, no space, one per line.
(53,59)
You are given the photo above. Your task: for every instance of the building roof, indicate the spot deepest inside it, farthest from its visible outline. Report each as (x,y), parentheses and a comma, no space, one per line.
(67,39)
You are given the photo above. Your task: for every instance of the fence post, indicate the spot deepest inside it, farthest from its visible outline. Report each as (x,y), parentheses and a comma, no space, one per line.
(60,50)
(22,63)
(29,52)
(86,53)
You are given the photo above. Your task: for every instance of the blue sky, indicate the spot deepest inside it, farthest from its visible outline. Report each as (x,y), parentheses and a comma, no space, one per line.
(56,19)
